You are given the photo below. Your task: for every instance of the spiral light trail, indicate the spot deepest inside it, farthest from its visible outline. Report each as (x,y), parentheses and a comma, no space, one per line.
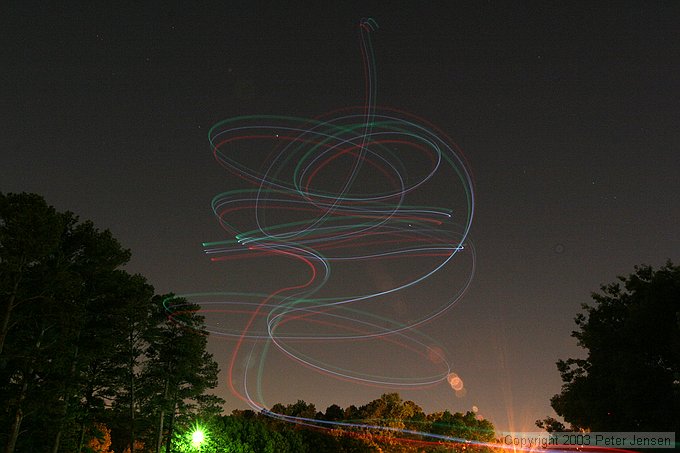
(338,196)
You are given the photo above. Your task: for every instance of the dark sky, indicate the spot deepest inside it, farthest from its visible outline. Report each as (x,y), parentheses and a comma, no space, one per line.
(568,114)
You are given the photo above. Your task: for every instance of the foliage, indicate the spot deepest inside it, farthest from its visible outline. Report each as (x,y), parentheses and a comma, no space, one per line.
(464,426)
(180,368)
(247,431)
(101,441)
(630,380)
(552,425)
(52,268)
(78,338)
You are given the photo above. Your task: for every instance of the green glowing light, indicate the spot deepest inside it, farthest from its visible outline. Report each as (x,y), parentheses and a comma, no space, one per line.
(197,437)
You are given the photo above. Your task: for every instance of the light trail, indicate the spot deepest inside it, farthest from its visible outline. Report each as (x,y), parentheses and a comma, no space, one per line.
(355,186)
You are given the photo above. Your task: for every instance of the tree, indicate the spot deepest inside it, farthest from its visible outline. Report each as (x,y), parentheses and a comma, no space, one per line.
(390,411)
(131,320)
(334,413)
(464,426)
(299,409)
(630,379)
(89,261)
(30,231)
(236,433)
(52,268)
(101,439)
(551,425)
(83,343)
(179,367)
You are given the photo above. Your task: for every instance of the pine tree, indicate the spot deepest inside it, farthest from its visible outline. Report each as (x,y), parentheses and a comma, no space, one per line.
(180,367)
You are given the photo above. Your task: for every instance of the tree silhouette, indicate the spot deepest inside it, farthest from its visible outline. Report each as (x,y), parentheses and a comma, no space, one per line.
(83,342)
(630,380)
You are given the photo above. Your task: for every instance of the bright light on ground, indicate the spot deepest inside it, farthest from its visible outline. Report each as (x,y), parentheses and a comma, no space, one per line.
(197,437)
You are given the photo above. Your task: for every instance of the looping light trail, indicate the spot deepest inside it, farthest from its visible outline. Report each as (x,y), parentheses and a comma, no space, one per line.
(372,207)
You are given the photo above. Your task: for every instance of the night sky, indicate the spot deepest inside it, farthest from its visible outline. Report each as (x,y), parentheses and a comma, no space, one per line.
(567,113)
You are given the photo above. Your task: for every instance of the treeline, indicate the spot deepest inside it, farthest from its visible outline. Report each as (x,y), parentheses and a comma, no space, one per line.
(352,429)
(87,350)
(92,360)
